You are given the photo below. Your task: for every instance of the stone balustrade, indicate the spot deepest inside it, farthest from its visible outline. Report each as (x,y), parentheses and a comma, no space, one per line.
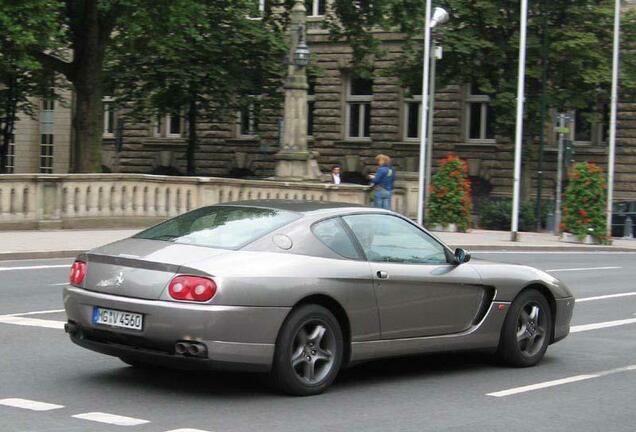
(117,200)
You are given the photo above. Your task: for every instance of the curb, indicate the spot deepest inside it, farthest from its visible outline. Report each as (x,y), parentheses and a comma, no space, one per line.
(9,256)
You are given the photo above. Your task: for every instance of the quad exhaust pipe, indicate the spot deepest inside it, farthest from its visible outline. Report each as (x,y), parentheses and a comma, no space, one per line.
(191,349)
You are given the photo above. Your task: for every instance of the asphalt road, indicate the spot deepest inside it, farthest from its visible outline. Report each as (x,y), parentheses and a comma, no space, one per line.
(585,382)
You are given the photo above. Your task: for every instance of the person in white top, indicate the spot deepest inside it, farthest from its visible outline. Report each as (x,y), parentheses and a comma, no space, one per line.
(335,174)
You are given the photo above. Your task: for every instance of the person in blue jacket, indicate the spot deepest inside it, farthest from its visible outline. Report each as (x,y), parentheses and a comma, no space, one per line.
(382,182)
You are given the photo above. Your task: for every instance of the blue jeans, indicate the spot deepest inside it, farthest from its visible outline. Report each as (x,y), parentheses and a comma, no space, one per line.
(382,199)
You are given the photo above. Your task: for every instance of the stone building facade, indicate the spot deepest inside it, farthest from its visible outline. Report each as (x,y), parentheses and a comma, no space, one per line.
(351,121)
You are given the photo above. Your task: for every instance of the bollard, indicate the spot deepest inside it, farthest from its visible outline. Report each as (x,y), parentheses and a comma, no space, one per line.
(628,228)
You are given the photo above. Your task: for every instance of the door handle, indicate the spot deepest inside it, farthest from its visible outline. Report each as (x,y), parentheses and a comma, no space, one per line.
(382,274)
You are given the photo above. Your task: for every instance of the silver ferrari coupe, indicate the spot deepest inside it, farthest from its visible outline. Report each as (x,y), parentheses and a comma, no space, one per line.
(301,290)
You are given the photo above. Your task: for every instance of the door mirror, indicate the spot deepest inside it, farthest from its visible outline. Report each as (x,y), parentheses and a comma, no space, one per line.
(461,256)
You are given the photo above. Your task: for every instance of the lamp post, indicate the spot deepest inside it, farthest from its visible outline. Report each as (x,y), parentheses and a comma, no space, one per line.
(613,102)
(294,161)
(519,124)
(440,16)
(436,54)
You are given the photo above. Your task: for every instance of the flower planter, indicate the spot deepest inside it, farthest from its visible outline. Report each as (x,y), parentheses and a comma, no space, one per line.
(441,228)
(571,238)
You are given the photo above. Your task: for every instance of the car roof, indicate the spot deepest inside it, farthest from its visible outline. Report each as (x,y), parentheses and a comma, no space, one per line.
(298,206)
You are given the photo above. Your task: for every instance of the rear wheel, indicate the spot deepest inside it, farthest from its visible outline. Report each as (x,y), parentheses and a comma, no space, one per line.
(526,332)
(308,351)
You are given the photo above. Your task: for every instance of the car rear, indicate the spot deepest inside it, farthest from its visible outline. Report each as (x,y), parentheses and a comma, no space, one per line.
(144,298)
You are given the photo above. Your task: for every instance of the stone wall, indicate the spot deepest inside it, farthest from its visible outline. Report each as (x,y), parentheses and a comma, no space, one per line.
(111,200)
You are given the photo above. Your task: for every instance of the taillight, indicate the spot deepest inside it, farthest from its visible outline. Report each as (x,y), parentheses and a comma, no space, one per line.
(78,273)
(192,288)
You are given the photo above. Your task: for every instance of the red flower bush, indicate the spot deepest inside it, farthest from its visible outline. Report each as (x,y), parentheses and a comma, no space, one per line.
(449,199)
(585,201)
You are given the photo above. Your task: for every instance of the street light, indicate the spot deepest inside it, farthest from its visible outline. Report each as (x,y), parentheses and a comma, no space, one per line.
(436,54)
(440,16)
(302,54)
(612,131)
(519,124)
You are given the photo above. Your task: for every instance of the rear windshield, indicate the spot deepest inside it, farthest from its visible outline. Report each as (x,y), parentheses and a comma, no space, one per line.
(224,227)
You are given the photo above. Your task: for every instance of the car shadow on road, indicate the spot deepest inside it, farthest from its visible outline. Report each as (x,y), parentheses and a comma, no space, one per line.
(242,385)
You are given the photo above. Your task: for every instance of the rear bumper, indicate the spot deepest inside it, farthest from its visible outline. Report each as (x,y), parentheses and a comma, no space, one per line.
(236,337)
(564,310)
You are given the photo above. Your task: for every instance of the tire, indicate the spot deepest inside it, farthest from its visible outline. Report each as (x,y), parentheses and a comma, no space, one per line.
(309,351)
(527,330)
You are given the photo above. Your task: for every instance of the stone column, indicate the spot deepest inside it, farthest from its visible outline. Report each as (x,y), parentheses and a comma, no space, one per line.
(294,161)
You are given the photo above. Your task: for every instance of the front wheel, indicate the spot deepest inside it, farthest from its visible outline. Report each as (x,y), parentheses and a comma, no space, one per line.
(526,331)
(308,351)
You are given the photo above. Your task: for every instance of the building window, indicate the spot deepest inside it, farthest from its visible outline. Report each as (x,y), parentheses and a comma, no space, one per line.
(168,126)
(247,121)
(358,119)
(109,118)
(316,8)
(591,126)
(10,165)
(47,129)
(174,123)
(48,104)
(46,153)
(412,113)
(311,105)
(479,118)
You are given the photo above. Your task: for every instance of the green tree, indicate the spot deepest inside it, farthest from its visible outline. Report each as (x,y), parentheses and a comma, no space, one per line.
(73,43)
(78,35)
(21,76)
(207,59)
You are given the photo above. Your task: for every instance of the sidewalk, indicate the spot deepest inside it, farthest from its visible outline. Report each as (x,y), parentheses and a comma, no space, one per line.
(56,243)
(500,240)
(69,243)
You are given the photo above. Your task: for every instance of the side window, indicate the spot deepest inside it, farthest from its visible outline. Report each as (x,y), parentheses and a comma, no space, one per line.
(333,235)
(386,238)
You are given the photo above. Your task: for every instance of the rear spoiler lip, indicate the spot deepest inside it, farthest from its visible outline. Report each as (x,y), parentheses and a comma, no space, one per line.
(141,263)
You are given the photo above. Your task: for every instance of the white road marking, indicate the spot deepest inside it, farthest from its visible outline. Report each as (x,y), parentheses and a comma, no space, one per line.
(31,322)
(582,269)
(187,430)
(35,267)
(600,325)
(111,419)
(29,404)
(539,386)
(37,312)
(608,296)
(557,382)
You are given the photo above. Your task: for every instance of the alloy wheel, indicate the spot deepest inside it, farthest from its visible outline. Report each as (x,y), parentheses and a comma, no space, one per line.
(531,329)
(313,351)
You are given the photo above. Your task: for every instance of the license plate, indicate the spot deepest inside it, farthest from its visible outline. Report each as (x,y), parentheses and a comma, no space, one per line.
(116,318)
